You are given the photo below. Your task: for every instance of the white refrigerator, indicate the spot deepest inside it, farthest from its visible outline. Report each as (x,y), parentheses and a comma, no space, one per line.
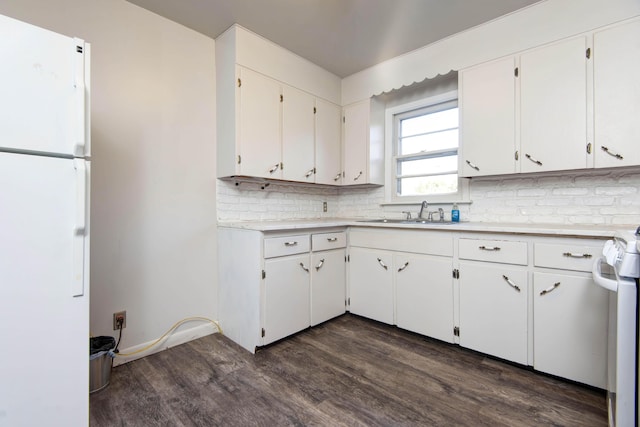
(44,227)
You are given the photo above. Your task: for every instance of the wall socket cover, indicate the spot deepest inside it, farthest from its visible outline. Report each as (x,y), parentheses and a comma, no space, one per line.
(118,315)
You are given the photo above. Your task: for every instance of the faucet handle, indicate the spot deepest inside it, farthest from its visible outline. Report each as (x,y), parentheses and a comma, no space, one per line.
(441,213)
(407,213)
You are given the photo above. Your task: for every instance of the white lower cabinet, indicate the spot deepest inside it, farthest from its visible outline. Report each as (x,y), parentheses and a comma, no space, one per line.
(371,284)
(493,310)
(286,296)
(570,312)
(328,291)
(570,327)
(424,295)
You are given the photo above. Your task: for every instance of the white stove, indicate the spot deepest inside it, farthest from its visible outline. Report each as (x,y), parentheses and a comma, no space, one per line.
(622,255)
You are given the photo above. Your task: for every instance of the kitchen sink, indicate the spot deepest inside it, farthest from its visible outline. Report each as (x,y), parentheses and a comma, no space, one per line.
(405,221)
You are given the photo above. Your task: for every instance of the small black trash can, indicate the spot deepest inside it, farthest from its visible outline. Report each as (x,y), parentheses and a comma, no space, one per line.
(100,360)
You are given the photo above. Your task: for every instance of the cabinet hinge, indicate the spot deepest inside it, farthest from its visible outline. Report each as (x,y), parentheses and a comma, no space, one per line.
(281,98)
(343,120)
(239,159)
(588,53)
(262,333)
(349,301)
(239,82)
(589,148)
(456,273)
(79,49)
(264,274)
(515,72)
(281,165)
(348,258)
(516,156)
(314,110)
(456,331)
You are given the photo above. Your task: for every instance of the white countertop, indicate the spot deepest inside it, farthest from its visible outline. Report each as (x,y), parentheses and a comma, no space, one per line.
(587,230)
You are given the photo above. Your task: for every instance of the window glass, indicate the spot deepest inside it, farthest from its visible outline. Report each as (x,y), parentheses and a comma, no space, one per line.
(425,152)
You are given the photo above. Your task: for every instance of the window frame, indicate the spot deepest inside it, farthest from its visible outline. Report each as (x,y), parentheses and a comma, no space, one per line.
(391,160)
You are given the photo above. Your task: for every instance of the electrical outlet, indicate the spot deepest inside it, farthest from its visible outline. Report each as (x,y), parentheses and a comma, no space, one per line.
(324,206)
(119,316)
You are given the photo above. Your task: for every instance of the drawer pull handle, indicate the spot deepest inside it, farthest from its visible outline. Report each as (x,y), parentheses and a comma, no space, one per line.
(311,172)
(337,177)
(403,267)
(489,248)
(319,266)
(611,153)
(332,239)
(274,168)
(550,289)
(382,264)
(472,165)
(358,176)
(304,268)
(572,255)
(537,162)
(291,243)
(513,285)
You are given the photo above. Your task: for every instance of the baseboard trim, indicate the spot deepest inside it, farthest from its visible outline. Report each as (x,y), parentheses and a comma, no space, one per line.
(174,339)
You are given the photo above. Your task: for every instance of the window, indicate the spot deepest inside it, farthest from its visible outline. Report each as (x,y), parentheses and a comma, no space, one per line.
(424,150)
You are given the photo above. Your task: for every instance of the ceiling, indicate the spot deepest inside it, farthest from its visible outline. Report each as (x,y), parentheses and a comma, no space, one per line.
(342,36)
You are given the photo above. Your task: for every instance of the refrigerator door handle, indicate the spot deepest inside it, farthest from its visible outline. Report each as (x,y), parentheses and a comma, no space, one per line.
(80,227)
(79,85)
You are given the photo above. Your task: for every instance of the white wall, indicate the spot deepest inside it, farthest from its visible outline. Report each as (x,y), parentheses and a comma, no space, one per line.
(153,210)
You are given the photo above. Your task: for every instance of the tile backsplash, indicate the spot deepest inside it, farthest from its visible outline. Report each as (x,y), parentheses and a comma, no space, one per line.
(595,197)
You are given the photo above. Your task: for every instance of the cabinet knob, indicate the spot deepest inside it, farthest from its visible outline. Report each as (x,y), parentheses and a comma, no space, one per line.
(572,255)
(611,153)
(472,165)
(319,266)
(537,162)
(358,176)
(382,264)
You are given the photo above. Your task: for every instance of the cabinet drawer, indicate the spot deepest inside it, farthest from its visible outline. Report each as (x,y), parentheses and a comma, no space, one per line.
(565,257)
(504,251)
(289,245)
(325,241)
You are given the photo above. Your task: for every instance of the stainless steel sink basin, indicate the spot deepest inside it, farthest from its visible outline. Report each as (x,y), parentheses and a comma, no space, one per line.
(405,221)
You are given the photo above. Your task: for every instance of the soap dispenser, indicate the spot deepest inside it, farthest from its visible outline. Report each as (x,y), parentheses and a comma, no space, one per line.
(455,213)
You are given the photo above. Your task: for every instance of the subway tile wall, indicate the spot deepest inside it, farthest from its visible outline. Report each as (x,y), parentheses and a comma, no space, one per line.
(597,197)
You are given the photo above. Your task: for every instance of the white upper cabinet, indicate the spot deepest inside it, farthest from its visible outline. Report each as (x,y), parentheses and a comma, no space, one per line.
(363,140)
(328,146)
(616,93)
(553,100)
(487,119)
(298,159)
(259,137)
(266,95)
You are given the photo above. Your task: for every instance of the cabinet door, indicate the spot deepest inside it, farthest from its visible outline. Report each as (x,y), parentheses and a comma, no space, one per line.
(370,284)
(356,139)
(328,276)
(298,158)
(286,296)
(258,130)
(570,327)
(553,100)
(424,295)
(616,94)
(487,113)
(328,143)
(493,313)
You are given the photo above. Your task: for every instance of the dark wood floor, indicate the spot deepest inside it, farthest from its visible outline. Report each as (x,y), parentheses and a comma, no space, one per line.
(349,371)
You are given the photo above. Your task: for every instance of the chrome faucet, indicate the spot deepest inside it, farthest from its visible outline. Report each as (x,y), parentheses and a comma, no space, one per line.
(424,206)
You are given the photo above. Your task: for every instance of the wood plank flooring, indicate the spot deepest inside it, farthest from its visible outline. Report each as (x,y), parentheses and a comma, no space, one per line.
(347,372)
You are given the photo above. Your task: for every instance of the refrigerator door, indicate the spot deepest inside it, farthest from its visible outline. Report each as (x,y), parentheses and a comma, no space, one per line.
(44,313)
(43,91)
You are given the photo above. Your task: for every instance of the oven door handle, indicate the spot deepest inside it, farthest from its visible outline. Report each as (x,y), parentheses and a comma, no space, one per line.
(596,272)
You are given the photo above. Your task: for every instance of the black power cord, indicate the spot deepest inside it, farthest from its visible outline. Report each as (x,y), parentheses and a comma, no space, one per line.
(119,323)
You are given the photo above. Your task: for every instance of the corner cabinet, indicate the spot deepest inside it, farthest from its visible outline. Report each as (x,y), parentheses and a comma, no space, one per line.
(363,142)
(275,118)
(272,285)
